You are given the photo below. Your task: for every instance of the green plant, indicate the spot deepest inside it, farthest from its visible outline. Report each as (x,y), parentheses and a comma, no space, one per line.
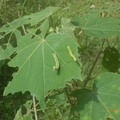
(46,56)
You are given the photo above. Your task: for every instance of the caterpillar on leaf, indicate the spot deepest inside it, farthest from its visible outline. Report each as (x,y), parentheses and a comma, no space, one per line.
(56,62)
(71,54)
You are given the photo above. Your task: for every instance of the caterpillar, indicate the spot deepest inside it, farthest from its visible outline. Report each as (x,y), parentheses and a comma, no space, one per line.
(56,62)
(71,54)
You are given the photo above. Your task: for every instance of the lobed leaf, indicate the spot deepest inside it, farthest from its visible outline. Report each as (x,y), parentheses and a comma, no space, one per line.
(11,27)
(31,19)
(97,26)
(103,101)
(36,63)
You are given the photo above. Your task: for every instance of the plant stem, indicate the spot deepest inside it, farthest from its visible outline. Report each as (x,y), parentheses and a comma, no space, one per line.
(68,97)
(93,65)
(34,106)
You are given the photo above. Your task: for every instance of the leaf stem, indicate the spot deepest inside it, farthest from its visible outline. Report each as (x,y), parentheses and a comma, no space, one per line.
(93,65)
(68,97)
(34,106)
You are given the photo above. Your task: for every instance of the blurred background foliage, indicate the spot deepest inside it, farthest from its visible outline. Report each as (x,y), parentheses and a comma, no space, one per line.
(57,108)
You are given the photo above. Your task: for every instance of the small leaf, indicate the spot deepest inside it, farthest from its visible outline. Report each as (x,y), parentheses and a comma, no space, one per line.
(27,116)
(5,54)
(111,59)
(67,27)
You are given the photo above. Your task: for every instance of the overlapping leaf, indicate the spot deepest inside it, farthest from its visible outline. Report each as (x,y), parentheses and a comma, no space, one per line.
(31,19)
(97,26)
(5,54)
(103,101)
(44,63)
(111,59)
(11,27)
(67,27)
(28,115)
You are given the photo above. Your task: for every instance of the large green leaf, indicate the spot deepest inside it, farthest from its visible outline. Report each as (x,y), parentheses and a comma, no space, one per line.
(103,101)
(97,26)
(44,63)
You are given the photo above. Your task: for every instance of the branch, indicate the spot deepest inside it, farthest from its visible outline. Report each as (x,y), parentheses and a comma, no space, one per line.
(94,63)
(67,95)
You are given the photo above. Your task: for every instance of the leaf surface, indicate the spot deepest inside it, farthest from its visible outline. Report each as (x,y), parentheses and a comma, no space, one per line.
(31,19)
(67,27)
(111,59)
(5,54)
(103,101)
(97,26)
(38,69)
(13,26)
(28,115)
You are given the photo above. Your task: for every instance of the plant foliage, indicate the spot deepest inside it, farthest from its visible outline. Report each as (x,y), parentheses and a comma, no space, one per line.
(47,58)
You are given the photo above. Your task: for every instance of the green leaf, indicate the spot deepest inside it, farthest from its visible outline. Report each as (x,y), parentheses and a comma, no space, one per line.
(97,26)
(103,101)
(67,27)
(11,27)
(32,19)
(44,64)
(42,28)
(111,59)
(5,54)
(27,116)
